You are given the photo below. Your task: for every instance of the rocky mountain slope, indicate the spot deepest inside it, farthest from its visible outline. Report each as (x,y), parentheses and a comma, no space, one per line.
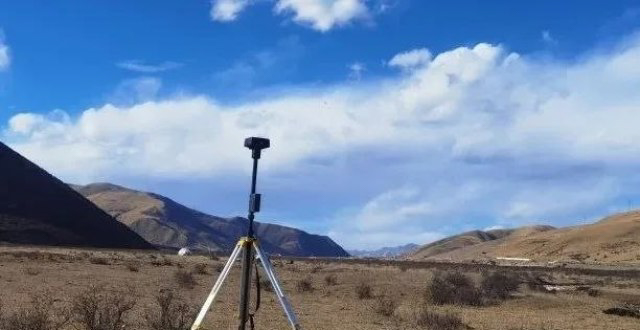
(167,223)
(38,209)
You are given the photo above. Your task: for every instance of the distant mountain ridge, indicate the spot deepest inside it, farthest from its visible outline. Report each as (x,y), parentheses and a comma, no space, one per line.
(386,252)
(164,222)
(38,209)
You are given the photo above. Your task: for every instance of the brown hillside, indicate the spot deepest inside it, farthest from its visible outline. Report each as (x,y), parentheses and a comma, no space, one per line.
(469,239)
(167,223)
(613,239)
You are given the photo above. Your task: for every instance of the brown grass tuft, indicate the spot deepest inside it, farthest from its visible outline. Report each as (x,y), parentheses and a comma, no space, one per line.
(433,320)
(364,291)
(385,306)
(185,279)
(331,279)
(304,285)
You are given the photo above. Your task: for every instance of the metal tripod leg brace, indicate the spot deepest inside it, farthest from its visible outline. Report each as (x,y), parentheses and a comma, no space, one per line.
(249,243)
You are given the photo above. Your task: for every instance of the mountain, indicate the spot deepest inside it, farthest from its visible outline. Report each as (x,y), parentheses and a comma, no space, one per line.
(615,238)
(386,252)
(166,223)
(471,239)
(37,208)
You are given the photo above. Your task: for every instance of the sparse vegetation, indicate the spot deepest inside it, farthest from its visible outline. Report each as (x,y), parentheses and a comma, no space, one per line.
(200,269)
(31,271)
(385,306)
(40,314)
(304,285)
(99,309)
(265,284)
(185,279)
(331,279)
(438,321)
(99,261)
(173,312)
(453,288)
(364,291)
(499,285)
(390,299)
(133,266)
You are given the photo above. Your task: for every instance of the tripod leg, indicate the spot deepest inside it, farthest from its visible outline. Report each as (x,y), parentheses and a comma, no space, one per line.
(216,287)
(268,269)
(245,286)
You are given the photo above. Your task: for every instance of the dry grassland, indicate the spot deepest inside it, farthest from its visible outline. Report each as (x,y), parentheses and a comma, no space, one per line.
(326,295)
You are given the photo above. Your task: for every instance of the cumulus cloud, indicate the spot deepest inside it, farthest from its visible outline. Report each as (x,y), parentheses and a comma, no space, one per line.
(480,133)
(411,59)
(5,59)
(227,10)
(140,66)
(321,15)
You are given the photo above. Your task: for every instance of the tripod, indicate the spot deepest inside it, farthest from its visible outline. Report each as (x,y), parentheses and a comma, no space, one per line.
(246,246)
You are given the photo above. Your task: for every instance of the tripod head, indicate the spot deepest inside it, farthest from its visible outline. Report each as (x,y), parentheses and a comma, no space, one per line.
(256,144)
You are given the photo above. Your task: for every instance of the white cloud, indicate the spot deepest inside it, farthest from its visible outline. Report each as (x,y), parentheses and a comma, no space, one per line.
(320,15)
(479,132)
(227,10)
(140,66)
(323,15)
(411,59)
(5,58)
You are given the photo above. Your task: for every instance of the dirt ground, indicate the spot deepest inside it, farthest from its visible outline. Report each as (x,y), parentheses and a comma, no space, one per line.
(64,273)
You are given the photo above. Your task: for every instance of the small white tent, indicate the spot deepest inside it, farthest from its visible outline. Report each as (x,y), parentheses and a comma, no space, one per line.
(184,251)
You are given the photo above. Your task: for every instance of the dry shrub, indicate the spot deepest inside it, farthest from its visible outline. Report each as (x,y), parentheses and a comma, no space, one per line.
(331,279)
(41,314)
(364,291)
(164,261)
(185,279)
(385,306)
(304,285)
(200,269)
(453,288)
(265,284)
(594,292)
(173,314)
(99,309)
(31,271)
(438,321)
(99,261)
(316,269)
(500,285)
(218,268)
(133,267)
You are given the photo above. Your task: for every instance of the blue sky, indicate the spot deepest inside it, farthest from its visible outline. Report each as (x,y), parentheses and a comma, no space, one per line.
(393,121)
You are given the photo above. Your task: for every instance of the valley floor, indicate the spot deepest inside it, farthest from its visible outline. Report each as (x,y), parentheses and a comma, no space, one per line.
(65,273)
